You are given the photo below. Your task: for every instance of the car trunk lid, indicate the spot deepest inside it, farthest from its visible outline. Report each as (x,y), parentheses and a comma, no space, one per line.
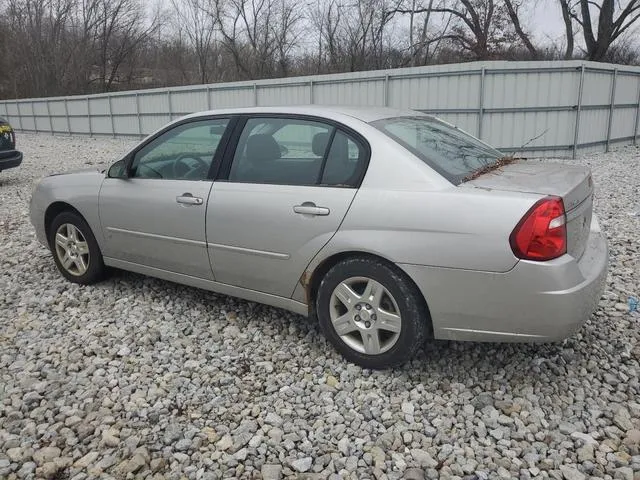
(572,183)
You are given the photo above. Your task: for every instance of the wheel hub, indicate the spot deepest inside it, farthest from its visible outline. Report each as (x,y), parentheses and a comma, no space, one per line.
(364,315)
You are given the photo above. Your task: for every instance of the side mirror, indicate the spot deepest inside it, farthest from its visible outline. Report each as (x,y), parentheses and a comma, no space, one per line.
(118,170)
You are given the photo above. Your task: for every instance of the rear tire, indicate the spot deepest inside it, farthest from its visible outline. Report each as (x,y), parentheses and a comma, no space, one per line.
(372,313)
(75,249)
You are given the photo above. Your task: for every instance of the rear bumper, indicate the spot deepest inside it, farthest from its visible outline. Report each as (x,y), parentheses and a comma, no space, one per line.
(533,302)
(10,159)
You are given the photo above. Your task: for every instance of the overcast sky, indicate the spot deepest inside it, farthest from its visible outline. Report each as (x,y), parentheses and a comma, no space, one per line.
(546,21)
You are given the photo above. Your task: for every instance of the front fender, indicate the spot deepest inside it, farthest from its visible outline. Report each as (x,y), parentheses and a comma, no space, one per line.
(78,190)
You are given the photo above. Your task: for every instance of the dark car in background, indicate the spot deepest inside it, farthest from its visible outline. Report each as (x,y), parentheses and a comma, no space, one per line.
(9,156)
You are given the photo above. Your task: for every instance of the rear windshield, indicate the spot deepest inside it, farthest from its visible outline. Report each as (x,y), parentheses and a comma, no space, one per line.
(454,154)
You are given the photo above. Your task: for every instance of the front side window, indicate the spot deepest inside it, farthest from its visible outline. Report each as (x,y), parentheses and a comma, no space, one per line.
(453,153)
(291,151)
(182,153)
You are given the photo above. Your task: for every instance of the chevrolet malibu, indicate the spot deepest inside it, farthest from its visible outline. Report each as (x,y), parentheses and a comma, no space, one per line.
(389,227)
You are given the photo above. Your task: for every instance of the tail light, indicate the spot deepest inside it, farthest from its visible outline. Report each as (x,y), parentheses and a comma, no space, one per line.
(542,233)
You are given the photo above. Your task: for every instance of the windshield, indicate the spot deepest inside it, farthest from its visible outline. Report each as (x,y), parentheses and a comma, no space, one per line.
(454,154)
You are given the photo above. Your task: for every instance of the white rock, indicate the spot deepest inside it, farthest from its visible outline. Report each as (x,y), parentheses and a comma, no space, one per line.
(570,473)
(273,419)
(271,472)
(423,458)
(343,446)
(241,455)
(585,438)
(302,464)
(408,408)
(46,454)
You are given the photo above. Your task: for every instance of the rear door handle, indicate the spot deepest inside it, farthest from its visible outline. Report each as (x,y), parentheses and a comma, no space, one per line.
(310,208)
(188,199)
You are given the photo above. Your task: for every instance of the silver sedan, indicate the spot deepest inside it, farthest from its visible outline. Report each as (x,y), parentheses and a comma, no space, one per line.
(389,227)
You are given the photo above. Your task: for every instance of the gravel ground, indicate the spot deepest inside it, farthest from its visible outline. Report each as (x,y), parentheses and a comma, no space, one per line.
(141,378)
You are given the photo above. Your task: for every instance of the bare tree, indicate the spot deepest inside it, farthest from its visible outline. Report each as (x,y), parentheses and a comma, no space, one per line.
(609,28)
(259,34)
(327,18)
(568,25)
(198,26)
(119,29)
(54,47)
(425,35)
(513,6)
(480,26)
(41,44)
(364,33)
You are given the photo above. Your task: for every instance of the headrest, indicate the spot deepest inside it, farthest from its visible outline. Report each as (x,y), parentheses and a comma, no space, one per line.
(262,148)
(319,144)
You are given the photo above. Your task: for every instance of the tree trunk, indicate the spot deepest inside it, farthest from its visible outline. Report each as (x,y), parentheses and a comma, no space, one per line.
(513,15)
(568,26)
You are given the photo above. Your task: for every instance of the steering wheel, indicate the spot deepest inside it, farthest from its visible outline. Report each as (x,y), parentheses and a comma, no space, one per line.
(153,172)
(181,168)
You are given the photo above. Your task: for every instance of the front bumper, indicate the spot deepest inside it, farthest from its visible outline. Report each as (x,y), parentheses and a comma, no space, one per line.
(10,159)
(533,302)
(36,215)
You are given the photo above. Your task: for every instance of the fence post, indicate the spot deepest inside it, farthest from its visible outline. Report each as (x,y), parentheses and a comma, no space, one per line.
(386,90)
(138,114)
(66,114)
(49,115)
(255,94)
(481,102)
(635,130)
(611,106)
(113,127)
(19,115)
(33,115)
(311,92)
(89,116)
(169,103)
(208,92)
(578,109)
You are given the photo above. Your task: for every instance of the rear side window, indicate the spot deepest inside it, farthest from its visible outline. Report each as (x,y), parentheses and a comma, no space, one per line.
(451,152)
(294,151)
(345,161)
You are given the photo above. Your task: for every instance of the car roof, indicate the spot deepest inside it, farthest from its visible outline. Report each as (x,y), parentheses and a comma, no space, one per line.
(365,114)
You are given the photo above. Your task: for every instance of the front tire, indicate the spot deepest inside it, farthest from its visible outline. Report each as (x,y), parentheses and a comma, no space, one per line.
(371,313)
(75,249)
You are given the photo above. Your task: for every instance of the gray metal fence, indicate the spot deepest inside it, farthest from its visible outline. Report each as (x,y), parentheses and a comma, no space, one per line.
(537,108)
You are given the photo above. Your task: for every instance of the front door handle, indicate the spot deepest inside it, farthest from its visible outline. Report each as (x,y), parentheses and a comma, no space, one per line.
(310,208)
(188,199)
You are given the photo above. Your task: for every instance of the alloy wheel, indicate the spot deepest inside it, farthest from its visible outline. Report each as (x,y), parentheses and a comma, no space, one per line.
(72,249)
(365,315)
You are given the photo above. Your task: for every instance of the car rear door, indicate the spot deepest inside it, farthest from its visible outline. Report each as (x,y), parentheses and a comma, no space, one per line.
(286,189)
(156,216)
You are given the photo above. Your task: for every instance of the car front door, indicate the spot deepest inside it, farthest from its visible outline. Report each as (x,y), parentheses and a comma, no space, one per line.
(287,188)
(156,215)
